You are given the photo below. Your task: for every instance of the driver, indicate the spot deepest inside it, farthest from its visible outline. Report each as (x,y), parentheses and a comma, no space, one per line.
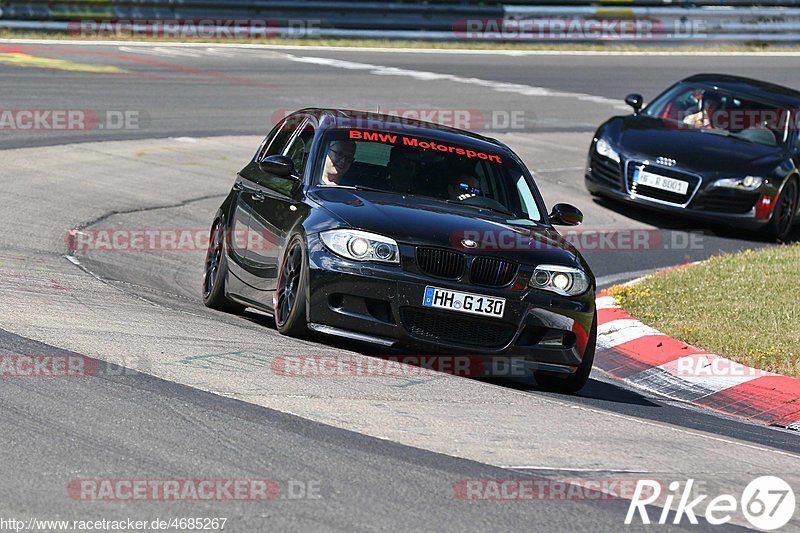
(341,155)
(710,103)
(464,188)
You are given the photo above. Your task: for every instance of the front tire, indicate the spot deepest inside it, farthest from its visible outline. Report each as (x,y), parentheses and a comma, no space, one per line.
(574,382)
(215,273)
(783,217)
(289,302)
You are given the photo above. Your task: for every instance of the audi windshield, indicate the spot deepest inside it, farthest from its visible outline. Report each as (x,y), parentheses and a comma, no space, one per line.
(699,107)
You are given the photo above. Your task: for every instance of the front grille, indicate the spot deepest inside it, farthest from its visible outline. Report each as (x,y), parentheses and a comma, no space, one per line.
(607,171)
(447,327)
(492,272)
(658,194)
(726,201)
(440,263)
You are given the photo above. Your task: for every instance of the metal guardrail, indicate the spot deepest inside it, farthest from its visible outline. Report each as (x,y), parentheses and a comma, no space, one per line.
(656,21)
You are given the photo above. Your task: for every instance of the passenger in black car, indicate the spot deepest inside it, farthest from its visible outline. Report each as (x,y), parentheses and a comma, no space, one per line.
(465,187)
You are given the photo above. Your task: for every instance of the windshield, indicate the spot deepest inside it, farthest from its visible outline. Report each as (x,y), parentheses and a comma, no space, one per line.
(410,164)
(699,107)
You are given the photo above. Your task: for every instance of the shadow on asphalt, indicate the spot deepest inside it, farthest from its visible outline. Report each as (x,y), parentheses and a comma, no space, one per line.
(593,390)
(679,223)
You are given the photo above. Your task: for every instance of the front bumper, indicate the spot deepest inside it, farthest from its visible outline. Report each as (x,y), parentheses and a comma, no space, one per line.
(385,302)
(730,207)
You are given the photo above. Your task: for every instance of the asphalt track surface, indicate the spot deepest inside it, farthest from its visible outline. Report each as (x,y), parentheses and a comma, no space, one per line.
(198,398)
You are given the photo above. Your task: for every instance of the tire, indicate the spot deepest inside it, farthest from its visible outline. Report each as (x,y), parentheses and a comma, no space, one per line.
(215,272)
(783,216)
(574,382)
(289,301)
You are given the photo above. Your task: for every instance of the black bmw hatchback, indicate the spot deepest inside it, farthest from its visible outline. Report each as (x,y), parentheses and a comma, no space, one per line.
(718,147)
(404,233)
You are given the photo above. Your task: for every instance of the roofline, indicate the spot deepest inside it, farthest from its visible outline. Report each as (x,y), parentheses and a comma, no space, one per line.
(768,88)
(319,112)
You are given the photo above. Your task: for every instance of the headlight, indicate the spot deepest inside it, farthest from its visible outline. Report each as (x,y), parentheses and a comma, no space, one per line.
(361,246)
(566,281)
(604,148)
(749,183)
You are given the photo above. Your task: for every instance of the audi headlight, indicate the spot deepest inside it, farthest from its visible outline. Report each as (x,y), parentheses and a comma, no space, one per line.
(361,245)
(603,147)
(749,183)
(563,280)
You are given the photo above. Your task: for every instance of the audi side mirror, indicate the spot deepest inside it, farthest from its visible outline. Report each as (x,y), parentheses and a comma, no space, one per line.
(635,101)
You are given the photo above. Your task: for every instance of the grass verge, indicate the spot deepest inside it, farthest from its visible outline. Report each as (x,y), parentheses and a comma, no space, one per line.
(745,306)
(438,45)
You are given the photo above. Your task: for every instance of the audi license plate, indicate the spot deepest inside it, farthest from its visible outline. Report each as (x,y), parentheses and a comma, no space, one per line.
(464,302)
(642,177)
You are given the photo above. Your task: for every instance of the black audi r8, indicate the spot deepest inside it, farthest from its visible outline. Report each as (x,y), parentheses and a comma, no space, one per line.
(719,147)
(406,233)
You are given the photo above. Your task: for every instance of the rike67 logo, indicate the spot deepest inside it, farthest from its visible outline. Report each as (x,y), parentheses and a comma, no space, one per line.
(768,503)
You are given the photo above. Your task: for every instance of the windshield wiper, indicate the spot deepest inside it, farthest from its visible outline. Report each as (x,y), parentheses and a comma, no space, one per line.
(495,209)
(363,188)
(716,131)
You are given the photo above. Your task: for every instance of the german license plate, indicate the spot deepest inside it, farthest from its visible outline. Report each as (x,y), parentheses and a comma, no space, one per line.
(464,302)
(642,177)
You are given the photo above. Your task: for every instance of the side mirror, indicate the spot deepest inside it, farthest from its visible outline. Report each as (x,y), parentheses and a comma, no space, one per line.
(566,215)
(635,101)
(279,165)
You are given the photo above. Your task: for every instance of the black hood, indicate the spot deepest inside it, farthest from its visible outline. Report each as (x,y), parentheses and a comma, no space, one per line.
(641,137)
(425,221)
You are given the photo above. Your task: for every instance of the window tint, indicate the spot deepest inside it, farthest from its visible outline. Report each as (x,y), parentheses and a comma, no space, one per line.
(299,148)
(268,139)
(281,136)
(372,153)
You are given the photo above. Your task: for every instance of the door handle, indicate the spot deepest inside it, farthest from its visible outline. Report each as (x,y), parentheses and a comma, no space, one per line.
(258,196)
